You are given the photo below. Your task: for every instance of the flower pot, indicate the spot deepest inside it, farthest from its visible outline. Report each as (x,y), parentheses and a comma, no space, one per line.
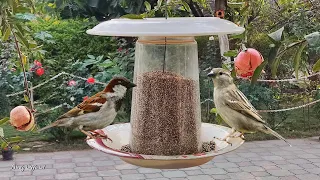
(7,154)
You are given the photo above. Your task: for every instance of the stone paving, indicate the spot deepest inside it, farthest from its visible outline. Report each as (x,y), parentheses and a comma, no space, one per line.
(260,160)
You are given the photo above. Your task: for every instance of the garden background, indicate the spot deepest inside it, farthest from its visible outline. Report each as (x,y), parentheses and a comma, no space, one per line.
(52,39)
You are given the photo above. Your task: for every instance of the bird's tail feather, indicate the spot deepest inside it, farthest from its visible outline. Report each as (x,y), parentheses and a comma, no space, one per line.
(270,131)
(49,126)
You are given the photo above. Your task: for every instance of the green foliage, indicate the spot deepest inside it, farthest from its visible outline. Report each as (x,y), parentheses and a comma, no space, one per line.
(263,97)
(66,41)
(101,9)
(317,106)
(316,66)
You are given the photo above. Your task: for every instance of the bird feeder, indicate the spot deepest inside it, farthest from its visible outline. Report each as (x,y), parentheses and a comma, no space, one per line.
(165,129)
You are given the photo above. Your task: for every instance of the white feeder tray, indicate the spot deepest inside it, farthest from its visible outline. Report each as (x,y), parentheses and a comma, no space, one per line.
(120,134)
(189,26)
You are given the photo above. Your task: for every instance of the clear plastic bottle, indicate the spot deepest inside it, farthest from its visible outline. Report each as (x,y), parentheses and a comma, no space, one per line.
(165,113)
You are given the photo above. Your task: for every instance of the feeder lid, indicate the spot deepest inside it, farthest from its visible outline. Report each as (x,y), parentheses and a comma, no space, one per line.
(181,26)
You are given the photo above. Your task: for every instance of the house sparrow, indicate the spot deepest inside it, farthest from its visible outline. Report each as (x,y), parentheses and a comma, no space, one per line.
(97,111)
(234,108)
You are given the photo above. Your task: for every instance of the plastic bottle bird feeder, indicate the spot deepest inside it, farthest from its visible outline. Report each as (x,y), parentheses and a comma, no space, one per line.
(165,130)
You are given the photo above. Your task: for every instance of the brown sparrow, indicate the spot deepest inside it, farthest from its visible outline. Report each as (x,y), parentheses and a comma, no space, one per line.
(234,108)
(97,111)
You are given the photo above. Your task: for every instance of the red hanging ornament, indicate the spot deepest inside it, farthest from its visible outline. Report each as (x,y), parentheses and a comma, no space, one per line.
(247,61)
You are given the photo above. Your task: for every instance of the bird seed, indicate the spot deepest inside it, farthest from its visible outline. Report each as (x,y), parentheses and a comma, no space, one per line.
(165,118)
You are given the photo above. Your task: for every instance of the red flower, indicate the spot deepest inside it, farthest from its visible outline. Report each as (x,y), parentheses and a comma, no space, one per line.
(40,71)
(85,98)
(72,83)
(90,80)
(37,63)
(119,49)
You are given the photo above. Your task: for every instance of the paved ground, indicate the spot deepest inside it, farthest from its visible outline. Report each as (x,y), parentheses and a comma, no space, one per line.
(261,160)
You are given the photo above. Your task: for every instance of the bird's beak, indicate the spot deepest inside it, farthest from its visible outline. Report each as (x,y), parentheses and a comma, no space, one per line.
(211,74)
(132,85)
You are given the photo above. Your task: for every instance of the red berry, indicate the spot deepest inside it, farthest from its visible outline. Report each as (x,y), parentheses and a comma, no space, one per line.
(90,80)
(40,71)
(119,49)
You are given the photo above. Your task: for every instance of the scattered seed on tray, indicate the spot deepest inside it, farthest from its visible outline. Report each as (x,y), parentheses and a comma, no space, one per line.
(126,148)
(166,117)
(208,146)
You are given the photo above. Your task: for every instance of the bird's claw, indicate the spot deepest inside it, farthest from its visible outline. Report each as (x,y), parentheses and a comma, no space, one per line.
(238,136)
(224,139)
(98,134)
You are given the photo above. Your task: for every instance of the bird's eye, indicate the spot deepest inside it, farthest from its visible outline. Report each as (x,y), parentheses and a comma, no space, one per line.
(220,73)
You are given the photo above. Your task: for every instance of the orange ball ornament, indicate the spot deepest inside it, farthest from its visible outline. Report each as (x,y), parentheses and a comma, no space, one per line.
(21,118)
(247,61)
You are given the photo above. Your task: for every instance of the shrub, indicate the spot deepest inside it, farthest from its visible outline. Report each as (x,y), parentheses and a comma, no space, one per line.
(66,41)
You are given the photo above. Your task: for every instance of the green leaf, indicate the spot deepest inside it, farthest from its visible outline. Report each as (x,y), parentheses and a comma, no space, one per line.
(1,132)
(257,72)
(25,16)
(4,144)
(4,120)
(159,3)
(148,5)
(316,66)
(43,35)
(32,44)
(15,147)
(15,139)
(231,53)
(313,39)
(235,4)
(186,6)
(26,98)
(22,39)
(238,36)
(91,56)
(297,58)
(219,119)
(6,34)
(106,64)
(99,58)
(233,73)
(213,111)
(277,35)
(133,16)
(274,49)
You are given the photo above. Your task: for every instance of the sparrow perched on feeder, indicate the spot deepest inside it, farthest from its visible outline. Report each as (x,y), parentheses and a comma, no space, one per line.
(234,108)
(97,111)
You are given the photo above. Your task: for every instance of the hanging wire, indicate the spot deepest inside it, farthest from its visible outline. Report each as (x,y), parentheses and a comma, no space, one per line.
(165,38)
